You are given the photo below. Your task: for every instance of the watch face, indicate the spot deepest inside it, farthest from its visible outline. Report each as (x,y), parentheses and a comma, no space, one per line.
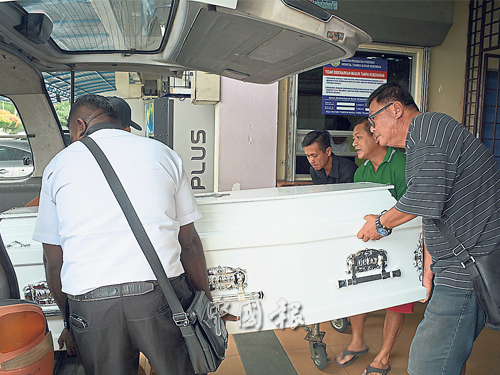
(383,232)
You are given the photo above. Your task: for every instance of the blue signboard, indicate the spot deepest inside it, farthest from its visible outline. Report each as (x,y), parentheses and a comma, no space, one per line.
(348,83)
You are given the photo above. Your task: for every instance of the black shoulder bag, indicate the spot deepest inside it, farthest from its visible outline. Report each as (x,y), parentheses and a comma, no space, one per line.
(484,271)
(201,326)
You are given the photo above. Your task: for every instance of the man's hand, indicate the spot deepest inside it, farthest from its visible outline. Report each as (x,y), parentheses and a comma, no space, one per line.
(53,261)
(67,339)
(193,258)
(427,282)
(369,230)
(226,317)
(428,277)
(390,219)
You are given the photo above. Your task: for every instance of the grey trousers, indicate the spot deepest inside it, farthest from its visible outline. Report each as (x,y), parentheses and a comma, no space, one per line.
(110,332)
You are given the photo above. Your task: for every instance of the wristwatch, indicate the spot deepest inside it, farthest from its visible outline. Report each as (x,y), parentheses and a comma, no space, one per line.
(382,230)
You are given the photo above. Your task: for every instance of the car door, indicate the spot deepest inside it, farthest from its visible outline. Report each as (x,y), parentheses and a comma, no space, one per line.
(6,162)
(252,41)
(41,136)
(22,163)
(16,160)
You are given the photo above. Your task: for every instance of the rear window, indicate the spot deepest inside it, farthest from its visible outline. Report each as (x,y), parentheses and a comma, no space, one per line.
(123,25)
(16,159)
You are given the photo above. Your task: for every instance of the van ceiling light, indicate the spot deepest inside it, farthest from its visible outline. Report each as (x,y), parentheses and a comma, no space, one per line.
(309,8)
(36,26)
(234,74)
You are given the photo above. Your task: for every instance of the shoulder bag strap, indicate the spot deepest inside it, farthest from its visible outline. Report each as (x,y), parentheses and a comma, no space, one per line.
(467,261)
(140,234)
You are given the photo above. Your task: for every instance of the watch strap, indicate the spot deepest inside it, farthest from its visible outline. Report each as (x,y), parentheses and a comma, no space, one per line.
(379,225)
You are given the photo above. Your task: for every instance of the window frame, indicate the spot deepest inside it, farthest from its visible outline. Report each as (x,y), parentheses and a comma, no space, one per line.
(419,88)
(15,150)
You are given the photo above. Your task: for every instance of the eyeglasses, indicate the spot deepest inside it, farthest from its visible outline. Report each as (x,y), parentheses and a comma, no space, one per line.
(370,118)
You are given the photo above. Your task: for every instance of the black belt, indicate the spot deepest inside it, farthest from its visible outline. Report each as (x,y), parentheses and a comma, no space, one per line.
(116,291)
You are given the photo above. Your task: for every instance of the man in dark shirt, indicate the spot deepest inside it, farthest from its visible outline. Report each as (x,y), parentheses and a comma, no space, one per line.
(452,177)
(326,167)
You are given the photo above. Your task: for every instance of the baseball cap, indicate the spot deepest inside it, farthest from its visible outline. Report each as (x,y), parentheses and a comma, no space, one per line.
(124,111)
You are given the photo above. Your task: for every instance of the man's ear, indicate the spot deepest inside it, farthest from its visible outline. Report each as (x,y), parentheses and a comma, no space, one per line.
(81,128)
(328,151)
(398,109)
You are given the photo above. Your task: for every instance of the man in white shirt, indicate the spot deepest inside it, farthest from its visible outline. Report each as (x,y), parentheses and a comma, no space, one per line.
(116,308)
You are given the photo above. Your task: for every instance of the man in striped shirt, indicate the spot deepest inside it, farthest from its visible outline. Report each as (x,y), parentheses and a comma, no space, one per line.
(386,166)
(451,177)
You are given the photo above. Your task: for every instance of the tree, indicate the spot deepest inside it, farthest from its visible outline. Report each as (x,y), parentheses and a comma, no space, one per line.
(62,110)
(10,123)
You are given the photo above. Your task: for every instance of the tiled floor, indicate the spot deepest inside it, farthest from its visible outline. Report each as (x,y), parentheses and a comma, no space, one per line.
(485,357)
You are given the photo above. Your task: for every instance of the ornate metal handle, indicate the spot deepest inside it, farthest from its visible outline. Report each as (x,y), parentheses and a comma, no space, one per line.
(238,297)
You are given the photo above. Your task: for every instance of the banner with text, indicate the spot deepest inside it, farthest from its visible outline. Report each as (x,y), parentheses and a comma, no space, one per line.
(348,83)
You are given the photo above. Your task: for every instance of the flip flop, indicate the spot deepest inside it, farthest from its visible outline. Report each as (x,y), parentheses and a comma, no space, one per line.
(355,355)
(374,370)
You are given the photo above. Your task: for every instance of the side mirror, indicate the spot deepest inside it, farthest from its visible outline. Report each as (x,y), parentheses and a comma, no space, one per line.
(27,161)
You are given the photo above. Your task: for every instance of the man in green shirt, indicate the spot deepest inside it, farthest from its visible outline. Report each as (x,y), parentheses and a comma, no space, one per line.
(383,164)
(387,166)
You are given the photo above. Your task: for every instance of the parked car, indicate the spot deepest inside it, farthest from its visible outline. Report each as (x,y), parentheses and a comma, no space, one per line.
(16,160)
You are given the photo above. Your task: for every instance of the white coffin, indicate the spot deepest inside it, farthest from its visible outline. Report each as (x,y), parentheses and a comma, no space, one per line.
(291,242)
(294,243)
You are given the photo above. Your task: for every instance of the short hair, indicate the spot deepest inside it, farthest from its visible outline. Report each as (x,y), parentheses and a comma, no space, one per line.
(365,122)
(86,105)
(392,92)
(320,136)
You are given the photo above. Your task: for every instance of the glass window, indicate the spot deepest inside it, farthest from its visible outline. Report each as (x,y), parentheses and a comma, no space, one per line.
(6,153)
(309,108)
(122,25)
(16,160)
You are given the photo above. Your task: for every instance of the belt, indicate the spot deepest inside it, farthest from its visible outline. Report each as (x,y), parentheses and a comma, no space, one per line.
(116,291)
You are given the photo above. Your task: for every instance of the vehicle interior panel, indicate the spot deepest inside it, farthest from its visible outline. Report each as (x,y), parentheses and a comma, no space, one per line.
(16,75)
(19,192)
(22,83)
(247,41)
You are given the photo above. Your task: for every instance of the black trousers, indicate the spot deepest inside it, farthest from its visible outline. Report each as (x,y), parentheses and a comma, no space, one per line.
(110,332)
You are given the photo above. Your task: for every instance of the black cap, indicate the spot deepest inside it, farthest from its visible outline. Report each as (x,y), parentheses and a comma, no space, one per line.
(124,111)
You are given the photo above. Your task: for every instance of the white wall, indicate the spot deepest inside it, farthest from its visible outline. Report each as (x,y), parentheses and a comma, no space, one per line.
(247,135)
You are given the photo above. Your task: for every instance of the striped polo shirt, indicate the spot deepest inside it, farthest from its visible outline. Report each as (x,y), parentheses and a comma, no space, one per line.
(451,176)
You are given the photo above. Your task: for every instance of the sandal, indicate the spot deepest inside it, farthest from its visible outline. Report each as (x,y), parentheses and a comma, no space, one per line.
(355,355)
(374,370)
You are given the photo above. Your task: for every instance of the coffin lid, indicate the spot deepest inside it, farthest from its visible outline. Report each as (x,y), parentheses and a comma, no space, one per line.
(289,192)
